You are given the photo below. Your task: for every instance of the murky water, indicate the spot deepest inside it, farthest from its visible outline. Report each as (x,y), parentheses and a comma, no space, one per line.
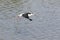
(45,24)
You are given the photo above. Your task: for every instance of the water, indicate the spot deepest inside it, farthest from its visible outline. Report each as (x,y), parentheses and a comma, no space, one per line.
(45,24)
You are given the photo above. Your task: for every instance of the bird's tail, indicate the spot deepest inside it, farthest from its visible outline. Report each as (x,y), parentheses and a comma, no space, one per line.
(30,19)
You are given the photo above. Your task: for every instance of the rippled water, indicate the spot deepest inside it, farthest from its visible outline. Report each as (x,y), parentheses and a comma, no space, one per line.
(45,24)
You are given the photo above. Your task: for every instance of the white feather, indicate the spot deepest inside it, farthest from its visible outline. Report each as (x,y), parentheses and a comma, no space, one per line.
(20,14)
(23,13)
(30,14)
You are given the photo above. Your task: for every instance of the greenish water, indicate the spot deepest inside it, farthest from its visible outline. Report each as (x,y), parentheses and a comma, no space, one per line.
(11,2)
(15,1)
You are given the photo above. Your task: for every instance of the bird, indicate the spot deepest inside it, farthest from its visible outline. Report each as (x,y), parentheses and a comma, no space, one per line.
(26,15)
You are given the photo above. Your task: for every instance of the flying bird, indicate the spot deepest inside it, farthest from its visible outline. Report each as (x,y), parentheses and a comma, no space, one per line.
(26,15)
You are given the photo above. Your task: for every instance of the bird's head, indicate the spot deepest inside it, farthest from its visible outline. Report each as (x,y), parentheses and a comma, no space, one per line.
(30,14)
